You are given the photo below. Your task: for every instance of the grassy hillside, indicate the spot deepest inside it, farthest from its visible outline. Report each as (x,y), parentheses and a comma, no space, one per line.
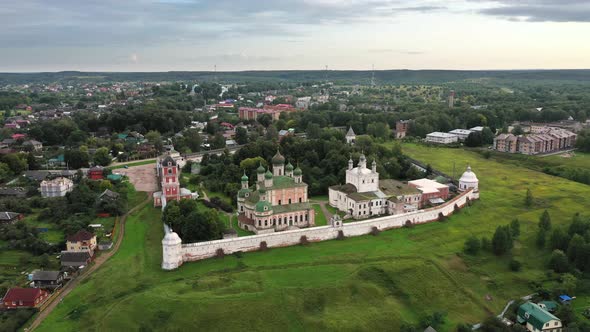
(357,283)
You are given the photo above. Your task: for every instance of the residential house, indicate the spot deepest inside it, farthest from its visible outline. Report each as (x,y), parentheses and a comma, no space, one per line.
(81,241)
(535,318)
(48,279)
(57,187)
(462,134)
(33,145)
(10,217)
(75,259)
(96,173)
(303,103)
(24,297)
(108,195)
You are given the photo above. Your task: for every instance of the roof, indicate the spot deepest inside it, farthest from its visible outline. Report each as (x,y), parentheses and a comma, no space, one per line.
(565,298)
(46,275)
(468,176)
(263,206)
(429,329)
(427,186)
(442,135)
(550,305)
(361,197)
(396,188)
(167,160)
(345,188)
(350,132)
(82,235)
(535,315)
(282,182)
(22,294)
(278,159)
(291,207)
(460,132)
(109,194)
(114,177)
(7,216)
(74,257)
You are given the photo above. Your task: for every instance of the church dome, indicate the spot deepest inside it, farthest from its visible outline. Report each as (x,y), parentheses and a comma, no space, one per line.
(263,206)
(268,175)
(289,167)
(244,177)
(260,169)
(278,159)
(171,238)
(298,171)
(469,176)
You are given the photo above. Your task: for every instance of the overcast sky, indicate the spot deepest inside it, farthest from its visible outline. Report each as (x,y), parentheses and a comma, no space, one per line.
(162,35)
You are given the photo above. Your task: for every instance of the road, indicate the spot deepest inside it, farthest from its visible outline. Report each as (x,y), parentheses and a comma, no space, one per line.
(48,308)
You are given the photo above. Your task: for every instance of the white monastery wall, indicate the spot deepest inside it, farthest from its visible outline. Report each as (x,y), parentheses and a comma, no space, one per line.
(202,250)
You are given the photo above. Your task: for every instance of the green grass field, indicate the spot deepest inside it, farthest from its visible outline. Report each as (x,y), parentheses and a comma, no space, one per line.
(362,283)
(131,164)
(320,218)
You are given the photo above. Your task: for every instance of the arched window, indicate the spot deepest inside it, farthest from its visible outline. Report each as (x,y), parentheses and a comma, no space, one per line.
(274,221)
(265,223)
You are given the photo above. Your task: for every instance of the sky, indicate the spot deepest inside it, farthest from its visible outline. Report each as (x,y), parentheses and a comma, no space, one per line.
(231,35)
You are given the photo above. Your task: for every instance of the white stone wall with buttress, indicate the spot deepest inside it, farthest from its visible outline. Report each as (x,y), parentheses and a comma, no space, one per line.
(202,250)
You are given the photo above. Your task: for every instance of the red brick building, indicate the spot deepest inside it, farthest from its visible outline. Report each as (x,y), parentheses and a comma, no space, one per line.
(24,298)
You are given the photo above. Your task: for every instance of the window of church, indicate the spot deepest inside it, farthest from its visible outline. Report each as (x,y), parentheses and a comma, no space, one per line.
(279,202)
(289,201)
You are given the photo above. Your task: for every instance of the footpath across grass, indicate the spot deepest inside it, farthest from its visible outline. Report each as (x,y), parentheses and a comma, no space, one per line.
(362,283)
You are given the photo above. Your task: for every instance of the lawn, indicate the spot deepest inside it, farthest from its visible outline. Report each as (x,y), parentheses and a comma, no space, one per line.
(52,235)
(320,218)
(131,164)
(363,283)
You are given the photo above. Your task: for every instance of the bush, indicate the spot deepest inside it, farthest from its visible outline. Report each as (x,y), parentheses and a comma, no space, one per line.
(408,224)
(375,231)
(303,240)
(219,253)
(514,265)
(441,217)
(472,246)
(263,246)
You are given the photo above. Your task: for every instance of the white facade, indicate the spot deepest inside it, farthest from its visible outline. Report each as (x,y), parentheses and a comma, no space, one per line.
(361,177)
(303,103)
(173,257)
(461,133)
(469,181)
(58,187)
(171,250)
(350,136)
(441,138)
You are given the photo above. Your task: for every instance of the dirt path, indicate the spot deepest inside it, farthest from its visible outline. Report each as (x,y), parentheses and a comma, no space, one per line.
(327,213)
(48,307)
(143,177)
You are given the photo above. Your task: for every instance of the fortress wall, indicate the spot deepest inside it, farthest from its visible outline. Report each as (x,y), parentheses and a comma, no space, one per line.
(202,250)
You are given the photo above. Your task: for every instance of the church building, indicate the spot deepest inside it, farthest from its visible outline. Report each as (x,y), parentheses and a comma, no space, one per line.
(168,173)
(278,201)
(364,195)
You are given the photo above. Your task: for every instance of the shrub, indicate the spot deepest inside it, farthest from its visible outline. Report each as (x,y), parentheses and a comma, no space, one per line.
(472,246)
(408,224)
(303,240)
(263,246)
(340,235)
(514,265)
(375,231)
(219,253)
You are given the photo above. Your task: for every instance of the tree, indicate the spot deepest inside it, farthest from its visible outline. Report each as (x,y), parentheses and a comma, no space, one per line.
(559,239)
(265,120)
(241,136)
(472,245)
(568,283)
(502,240)
(487,136)
(153,136)
(514,265)
(474,139)
(44,260)
(5,172)
(541,238)
(575,248)
(558,262)
(76,158)
(528,200)
(102,157)
(515,228)
(17,162)
(545,221)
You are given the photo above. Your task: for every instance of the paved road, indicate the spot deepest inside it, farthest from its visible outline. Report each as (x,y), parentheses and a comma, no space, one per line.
(93,267)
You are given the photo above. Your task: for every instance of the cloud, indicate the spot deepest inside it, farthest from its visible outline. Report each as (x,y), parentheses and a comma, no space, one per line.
(539,10)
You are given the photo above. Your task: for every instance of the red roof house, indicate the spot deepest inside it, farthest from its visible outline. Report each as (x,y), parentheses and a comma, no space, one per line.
(16,137)
(24,297)
(95,173)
